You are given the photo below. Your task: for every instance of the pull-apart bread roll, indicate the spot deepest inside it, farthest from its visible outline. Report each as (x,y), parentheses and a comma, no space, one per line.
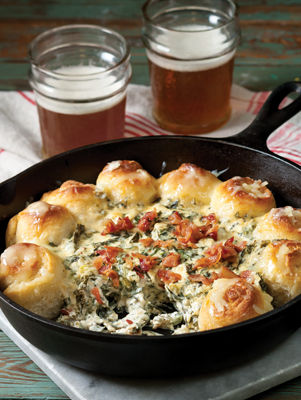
(242,196)
(190,183)
(126,182)
(280,267)
(231,301)
(280,223)
(34,278)
(40,223)
(82,200)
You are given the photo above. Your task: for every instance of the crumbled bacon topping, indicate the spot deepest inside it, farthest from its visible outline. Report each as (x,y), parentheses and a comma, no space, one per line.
(108,256)
(110,273)
(203,279)
(211,227)
(168,276)
(220,251)
(66,311)
(95,292)
(163,243)
(123,224)
(172,260)
(104,262)
(146,242)
(247,275)
(188,233)
(146,222)
(146,262)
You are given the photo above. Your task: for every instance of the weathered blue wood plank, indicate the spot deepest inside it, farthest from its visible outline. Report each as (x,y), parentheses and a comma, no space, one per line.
(21,378)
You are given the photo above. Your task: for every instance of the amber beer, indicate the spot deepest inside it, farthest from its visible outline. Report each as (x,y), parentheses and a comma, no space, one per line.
(190,46)
(79,75)
(191,102)
(65,131)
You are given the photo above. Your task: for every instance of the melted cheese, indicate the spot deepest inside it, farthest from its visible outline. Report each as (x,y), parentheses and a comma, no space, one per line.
(220,287)
(135,305)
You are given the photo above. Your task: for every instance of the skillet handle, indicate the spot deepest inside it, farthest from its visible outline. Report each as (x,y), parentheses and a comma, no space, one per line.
(269,118)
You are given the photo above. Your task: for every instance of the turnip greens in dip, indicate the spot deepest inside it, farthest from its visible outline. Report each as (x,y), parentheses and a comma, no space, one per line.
(136,255)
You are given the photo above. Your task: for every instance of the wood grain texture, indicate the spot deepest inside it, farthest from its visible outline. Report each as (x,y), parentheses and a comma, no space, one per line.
(21,378)
(269,54)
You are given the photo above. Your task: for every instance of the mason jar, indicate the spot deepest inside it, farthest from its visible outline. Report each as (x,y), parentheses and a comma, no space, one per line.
(79,75)
(190,45)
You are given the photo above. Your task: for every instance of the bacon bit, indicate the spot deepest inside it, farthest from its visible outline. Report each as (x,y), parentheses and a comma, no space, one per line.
(139,272)
(195,278)
(192,245)
(214,276)
(213,255)
(129,321)
(240,246)
(109,254)
(203,279)
(110,273)
(187,232)
(145,222)
(114,276)
(123,224)
(96,293)
(168,276)
(146,242)
(66,311)
(172,260)
(227,273)
(163,243)
(98,263)
(220,251)
(128,262)
(211,227)
(175,218)
(247,275)
(106,257)
(139,255)
(146,262)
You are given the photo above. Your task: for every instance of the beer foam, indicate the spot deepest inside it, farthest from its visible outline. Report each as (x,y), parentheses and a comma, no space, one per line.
(83,89)
(189,66)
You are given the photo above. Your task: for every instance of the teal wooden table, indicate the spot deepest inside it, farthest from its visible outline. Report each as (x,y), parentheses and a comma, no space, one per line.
(269,54)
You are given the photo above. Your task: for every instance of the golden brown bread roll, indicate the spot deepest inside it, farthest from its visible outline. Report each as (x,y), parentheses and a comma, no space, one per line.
(279,223)
(190,183)
(82,200)
(242,196)
(125,181)
(34,278)
(231,301)
(280,267)
(40,223)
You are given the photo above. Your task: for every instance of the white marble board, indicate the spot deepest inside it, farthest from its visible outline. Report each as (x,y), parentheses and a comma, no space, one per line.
(238,383)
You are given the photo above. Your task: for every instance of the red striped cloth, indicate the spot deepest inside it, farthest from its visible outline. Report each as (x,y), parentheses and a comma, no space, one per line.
(285,141)
(20,141)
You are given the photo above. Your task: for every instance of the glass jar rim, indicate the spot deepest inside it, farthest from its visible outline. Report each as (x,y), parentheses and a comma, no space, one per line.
(150,20)
(79,26)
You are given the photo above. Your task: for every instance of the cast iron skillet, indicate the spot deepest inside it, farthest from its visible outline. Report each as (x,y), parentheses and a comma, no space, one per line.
(166,355)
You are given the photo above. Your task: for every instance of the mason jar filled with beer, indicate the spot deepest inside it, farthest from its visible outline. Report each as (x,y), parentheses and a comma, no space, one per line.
(190,45)
(79,74)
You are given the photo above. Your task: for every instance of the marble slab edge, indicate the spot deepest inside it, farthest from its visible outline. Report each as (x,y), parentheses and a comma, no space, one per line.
(239,383)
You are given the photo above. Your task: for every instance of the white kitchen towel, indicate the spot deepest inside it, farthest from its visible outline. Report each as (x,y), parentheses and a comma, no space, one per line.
(20,141)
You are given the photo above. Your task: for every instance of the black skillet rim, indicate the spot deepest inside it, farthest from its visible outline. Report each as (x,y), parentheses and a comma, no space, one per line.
(127,338)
